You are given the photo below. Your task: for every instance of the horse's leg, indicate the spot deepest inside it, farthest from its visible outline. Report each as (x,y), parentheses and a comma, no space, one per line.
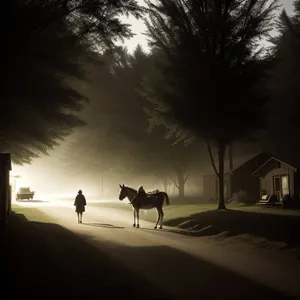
(138,218)
(134,212)
(158,218)
(161,218)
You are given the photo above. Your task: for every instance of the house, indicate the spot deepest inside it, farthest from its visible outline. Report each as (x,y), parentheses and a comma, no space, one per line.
(261,174)
(239,179)
(278,177)
(5,191)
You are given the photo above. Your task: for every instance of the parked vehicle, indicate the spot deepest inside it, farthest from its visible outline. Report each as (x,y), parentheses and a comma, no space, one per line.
(24,193)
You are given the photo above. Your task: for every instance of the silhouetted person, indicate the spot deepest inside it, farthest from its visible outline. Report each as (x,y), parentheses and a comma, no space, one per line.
(141,191)
(80,204)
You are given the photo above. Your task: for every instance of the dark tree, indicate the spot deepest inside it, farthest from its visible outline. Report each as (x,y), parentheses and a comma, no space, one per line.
(117,116)
(207,80)
(94,20)
(48,46)
(283,86)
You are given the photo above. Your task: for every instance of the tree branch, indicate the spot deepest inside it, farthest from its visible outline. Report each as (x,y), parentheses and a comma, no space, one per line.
(212,158)
(175,183)
(186,178)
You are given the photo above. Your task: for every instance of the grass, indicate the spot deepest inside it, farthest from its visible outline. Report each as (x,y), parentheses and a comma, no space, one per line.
(174,213)
(266,228)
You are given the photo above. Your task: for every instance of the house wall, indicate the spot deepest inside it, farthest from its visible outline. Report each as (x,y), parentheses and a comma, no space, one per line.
(5,198)
(242,179)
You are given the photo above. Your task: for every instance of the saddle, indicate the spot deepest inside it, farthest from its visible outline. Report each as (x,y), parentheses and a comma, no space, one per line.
(145,195)
(151,193)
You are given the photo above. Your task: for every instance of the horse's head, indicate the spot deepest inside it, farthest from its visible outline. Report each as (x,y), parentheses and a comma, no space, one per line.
(128,192)
(123,192)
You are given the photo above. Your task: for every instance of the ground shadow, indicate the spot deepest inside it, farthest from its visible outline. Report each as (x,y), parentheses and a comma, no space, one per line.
(102,225)
(279,228)
(64,266)
(195,278)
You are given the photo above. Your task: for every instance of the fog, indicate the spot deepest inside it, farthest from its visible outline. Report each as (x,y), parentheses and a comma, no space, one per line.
(51,176)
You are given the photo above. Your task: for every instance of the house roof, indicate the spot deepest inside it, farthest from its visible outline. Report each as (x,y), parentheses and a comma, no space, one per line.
(270,159)
(237,161)
(262,158)
(254,159)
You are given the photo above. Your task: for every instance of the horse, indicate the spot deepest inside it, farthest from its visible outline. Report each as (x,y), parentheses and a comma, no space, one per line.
(149,201)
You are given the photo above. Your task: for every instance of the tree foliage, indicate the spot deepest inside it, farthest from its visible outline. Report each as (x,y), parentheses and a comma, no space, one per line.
(208,79)
(92,20)
(47,47)
(117,118)
(283,87)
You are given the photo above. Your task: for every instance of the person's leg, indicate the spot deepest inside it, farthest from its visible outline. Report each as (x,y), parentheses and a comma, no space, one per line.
(81,217)
(78,217)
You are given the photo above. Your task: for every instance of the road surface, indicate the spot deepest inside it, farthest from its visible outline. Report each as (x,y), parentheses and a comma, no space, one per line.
(185,267)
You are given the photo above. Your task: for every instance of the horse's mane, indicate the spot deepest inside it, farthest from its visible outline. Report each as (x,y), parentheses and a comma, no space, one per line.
(132,189)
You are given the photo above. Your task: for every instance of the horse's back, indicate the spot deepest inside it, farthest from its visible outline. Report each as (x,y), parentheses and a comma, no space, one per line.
(148,201)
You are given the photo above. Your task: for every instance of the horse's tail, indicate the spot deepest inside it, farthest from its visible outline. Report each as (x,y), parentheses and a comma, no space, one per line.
(166,197)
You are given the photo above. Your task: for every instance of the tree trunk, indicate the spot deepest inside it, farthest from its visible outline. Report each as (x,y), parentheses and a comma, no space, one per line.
(221,150)
(211,158)
(181,181)
(165,184)
(181,184)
